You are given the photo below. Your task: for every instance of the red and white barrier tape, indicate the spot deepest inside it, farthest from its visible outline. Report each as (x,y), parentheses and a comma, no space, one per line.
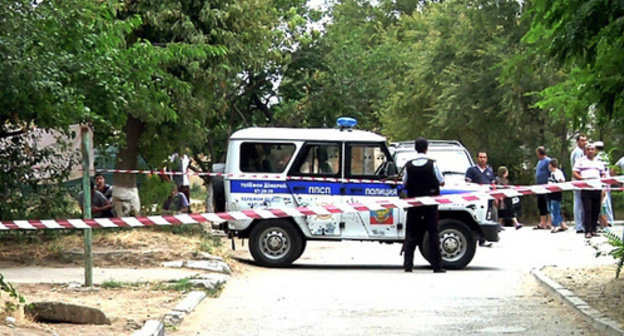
(373,205)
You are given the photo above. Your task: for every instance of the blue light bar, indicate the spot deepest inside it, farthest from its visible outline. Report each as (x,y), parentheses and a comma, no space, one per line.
(346,122)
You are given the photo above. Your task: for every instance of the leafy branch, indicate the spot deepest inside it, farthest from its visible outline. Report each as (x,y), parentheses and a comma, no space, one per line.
(617,252)
(10,306)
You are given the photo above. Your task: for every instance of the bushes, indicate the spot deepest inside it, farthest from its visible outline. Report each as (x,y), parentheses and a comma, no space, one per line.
(153,193)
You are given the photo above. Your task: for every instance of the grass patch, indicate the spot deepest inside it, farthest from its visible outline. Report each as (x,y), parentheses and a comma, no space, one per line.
(215,293)
(113,284)
(182,285)
(185,285)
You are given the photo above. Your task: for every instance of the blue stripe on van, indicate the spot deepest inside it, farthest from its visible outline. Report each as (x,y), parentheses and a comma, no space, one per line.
(323,188)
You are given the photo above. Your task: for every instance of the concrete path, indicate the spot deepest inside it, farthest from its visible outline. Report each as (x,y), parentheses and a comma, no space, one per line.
(353,288)
(34,274)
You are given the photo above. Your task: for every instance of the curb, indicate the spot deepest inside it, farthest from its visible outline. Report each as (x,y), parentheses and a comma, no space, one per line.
(597,319)
(151,328)
(173,317)
(215,266)
(184,307)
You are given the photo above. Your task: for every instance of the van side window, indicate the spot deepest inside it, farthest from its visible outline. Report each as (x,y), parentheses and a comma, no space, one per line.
(319,160)
(366,160)
(258,157)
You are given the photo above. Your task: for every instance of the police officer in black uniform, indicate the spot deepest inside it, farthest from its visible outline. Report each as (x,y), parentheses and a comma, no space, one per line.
(422,178)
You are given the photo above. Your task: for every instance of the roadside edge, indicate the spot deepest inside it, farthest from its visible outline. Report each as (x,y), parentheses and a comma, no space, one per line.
(598,320)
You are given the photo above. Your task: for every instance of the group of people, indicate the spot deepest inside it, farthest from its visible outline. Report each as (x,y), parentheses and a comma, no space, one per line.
(423,178)
(177,200)
(591,207)
(483,174)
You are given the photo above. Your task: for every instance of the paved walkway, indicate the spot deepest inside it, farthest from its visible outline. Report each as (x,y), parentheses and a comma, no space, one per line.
(35,274)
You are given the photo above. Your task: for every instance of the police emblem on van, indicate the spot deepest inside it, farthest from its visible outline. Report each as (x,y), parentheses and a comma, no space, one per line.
(382,217)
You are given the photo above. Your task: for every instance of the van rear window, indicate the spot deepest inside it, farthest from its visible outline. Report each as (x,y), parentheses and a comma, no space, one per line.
(263,157)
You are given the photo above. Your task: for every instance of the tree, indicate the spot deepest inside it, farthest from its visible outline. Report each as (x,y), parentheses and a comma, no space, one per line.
(587,39)
(344,72)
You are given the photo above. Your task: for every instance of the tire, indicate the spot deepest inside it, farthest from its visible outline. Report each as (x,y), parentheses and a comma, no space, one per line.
(275,243)
(303,247)
(457,244)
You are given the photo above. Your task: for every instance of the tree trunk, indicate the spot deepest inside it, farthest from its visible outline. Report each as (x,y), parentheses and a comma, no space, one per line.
(126,200)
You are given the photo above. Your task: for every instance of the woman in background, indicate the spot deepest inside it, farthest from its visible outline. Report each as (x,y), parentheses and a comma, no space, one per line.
(506,210)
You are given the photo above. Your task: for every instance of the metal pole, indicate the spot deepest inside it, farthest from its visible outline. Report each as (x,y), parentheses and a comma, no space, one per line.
(86,201)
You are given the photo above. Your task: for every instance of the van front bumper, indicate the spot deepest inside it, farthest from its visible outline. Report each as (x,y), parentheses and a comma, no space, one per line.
(489,231)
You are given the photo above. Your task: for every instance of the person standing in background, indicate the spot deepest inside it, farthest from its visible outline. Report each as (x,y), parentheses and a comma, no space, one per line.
(588,167)
(483,174)
(556,176)
(541,177)
(506,207)
(182,181)
(577,153)
(606,210)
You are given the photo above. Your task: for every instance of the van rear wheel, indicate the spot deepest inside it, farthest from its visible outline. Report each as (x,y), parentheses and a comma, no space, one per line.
(457,244)
(275,243)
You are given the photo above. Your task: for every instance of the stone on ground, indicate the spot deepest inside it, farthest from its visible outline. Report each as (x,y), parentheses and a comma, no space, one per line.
(66,313)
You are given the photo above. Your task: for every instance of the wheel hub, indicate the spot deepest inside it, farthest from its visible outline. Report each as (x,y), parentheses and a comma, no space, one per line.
(274,243)
(452,244)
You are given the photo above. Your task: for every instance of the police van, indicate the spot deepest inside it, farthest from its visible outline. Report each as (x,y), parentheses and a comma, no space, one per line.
(291,167)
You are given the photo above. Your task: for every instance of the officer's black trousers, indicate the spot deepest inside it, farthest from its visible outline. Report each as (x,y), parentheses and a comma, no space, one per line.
(420,220)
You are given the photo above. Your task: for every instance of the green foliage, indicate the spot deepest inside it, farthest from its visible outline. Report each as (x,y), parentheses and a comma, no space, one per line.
(113,284)
(617,252)
(153,193)
(182,285)
(587,37)
(198,192)
(15,298)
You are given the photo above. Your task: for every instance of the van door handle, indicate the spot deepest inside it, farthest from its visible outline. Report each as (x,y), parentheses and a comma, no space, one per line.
(357,189)
(299,188)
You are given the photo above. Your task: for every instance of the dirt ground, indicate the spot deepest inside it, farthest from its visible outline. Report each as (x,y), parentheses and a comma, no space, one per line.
(127,307)
(597,286)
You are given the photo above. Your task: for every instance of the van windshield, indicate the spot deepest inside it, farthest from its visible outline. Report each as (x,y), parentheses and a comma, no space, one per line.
(448,160)
(261,157)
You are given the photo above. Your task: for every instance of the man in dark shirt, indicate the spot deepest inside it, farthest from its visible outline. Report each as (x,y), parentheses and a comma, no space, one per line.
(422,178)
(481,173)
(106,190)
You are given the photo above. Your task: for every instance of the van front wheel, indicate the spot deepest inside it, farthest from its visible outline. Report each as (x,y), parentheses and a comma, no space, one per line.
(457,244)
(275,243)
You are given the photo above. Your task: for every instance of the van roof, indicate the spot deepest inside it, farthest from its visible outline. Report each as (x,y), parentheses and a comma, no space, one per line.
(302,134)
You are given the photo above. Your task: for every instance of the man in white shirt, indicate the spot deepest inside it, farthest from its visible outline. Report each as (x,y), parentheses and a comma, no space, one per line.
(589,167)
(577,153)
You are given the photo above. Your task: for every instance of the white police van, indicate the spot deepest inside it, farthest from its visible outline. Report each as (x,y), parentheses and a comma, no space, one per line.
(257,153)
